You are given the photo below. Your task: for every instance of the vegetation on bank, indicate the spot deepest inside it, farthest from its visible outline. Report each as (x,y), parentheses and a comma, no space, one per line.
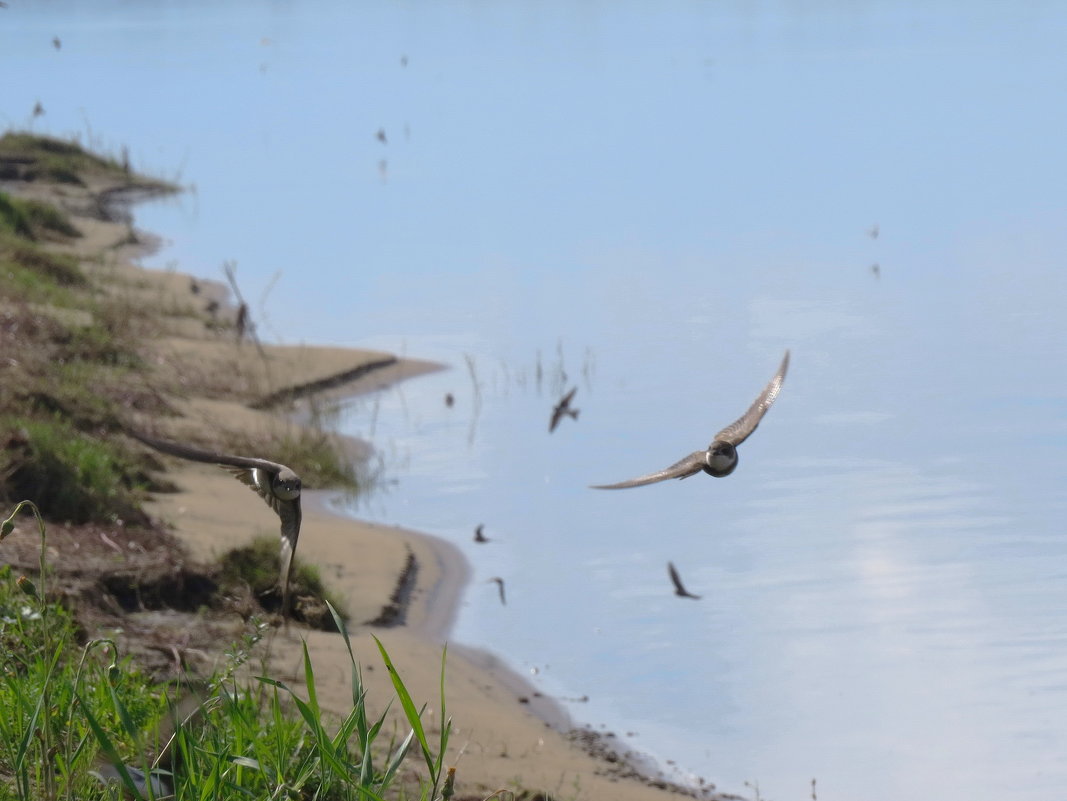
(31,157)
(78,720)
(76,360)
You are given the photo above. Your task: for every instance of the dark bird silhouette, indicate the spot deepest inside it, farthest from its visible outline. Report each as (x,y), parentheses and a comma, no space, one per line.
(478,535)
(450,400)
(873,231)
(38,109)
(56,43)
(380,136)
(276,484)
(500,584)
(109,768)
(720,458)
(876,270)
(563,408)
(679,588)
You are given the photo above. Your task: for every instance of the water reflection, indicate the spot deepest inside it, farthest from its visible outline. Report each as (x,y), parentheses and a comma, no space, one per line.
(838,591)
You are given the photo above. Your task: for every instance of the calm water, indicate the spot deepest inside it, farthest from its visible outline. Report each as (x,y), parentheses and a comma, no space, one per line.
(657,201)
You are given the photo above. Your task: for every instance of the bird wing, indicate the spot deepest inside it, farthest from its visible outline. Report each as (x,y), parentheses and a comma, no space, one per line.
(255,478)
(675,578)
(211,457)
(561,409)
(691,464)
(738,431)
(678,586)
(557,414)
(254,472)
(289,512)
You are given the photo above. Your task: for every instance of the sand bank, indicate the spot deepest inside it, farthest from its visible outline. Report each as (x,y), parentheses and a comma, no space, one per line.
(506,734)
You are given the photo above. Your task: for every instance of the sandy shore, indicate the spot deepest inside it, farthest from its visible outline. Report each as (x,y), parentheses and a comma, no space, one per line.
(506,734)
(399,586)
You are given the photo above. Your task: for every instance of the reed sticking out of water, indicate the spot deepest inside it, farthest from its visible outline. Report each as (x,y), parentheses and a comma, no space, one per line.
(588,367)
(559,375)
(476,405)
(245,324)
(263,304)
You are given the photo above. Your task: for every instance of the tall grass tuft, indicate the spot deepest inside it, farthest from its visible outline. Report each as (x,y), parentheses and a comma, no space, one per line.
(70,476)
(256,566)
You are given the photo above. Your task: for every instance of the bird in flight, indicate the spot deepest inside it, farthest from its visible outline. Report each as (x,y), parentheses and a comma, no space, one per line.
(720,458)
(563,408)
(500,584)
(276,484)
(479,533)
(679,588)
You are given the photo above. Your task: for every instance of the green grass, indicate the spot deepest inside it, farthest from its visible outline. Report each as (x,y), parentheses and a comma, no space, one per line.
(31,219)
(24,282)
(69,475)
(74,712)
(47,219)
(29,272)
(13,217)
(48,270)
(256,565)
(56,160)
(99,344)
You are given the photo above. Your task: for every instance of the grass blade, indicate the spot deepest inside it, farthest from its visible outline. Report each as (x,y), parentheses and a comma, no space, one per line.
(412,714)
(108,747)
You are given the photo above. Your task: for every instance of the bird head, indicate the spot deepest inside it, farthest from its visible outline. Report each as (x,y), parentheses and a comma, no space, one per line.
(287,488)
(720,459)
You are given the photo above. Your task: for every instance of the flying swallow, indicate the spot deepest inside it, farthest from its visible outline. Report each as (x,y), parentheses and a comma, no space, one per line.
(276,484)
(679,589)
(500,584)
(563,408)
(720,458)
(479,536)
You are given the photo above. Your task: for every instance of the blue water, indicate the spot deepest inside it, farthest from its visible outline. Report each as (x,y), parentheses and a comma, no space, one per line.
(658,200)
